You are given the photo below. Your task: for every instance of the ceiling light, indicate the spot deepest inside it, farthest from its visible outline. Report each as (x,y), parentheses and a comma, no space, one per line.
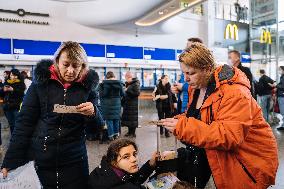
(165,11)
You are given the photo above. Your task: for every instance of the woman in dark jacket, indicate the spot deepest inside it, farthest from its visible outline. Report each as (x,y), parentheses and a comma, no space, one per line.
(111,93)
(130,104)
(119,168)
(14,89)
(166,101)
(56,141)
(280,97)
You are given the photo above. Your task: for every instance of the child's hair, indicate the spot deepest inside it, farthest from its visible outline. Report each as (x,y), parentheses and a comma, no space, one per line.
(114,148)
(183,185)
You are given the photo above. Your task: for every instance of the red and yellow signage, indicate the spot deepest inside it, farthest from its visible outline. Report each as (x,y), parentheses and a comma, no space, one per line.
(265,37)
(231,32)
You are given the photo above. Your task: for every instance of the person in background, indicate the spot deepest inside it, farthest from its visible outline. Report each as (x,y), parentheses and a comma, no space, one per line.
(119,168)
(27,81)
(280,96)
(224,120)
(166,101)
(130,104)
(111,92)
(234,59)
(6,75)
(14,88)
(181,87)
(56,141)
(193,40)
(1,103)
(265,86)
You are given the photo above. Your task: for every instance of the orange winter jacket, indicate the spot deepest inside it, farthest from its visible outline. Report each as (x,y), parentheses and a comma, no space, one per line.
(240,146)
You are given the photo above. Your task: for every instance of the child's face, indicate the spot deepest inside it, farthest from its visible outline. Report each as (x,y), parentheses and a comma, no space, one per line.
(127,159)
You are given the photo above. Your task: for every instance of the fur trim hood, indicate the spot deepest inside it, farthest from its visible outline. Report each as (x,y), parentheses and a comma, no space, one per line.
(42,74)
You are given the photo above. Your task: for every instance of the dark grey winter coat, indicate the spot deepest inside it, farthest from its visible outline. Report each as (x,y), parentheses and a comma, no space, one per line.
(130,104)
(111,93)
(55,141)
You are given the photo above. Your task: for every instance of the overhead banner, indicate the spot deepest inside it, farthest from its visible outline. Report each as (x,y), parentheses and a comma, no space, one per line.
(231,32)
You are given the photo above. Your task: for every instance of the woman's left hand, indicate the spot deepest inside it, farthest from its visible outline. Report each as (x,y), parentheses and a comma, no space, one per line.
(86,108)
(169,123)
(154,159)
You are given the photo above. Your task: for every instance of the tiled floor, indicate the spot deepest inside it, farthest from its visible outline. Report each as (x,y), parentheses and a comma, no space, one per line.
(146,140)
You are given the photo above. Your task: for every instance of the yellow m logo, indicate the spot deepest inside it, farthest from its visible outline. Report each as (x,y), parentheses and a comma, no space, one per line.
(232,32)
(265,37)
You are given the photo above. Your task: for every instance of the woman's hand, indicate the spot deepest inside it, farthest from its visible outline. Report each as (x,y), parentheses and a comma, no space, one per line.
(163,97)
(8,88)
(169,123)
(156,97)
(154,159)
(86,108)
(5,172)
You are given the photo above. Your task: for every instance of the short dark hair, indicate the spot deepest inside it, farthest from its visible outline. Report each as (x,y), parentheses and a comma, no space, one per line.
(282,68)
(114,148)
(195,39)
(262,71)
(235,52)
(24,74)
(110,74)
(17,73)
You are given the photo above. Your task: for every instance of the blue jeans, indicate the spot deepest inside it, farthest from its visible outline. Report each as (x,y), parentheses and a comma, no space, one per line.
(11,117)
(281,107)
(265,102)
(112,127)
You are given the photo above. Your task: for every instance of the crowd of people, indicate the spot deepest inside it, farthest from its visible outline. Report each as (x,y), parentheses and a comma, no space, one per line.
(212,110)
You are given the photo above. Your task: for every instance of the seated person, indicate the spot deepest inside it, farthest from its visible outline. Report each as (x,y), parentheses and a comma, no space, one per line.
(119,168)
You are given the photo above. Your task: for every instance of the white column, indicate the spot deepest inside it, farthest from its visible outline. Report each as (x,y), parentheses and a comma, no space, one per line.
(209,16)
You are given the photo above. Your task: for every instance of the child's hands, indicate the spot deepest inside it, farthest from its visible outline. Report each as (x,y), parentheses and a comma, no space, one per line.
(154,159)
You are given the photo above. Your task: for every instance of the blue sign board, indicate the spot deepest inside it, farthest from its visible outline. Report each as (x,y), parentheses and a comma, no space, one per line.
(245,58)
(5,46)
(30,47)
(159,54)
(114,51)
(94,50)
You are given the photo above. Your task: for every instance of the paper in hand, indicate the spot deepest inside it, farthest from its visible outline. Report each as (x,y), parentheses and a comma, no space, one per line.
(63,109)
(24,177)
(159,122)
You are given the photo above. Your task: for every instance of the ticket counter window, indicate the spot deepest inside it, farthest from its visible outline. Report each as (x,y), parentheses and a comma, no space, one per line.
(148,78)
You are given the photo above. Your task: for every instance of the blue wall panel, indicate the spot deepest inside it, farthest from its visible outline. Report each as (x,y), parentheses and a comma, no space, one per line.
(160,54)
(5,46)
(94,50)
(114,51)
(245,58)
(31,47)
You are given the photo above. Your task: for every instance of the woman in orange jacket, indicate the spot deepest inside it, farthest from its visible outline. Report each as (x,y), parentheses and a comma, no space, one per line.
(225,120)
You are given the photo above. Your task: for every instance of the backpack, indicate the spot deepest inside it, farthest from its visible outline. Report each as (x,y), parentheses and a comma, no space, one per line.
(258,87)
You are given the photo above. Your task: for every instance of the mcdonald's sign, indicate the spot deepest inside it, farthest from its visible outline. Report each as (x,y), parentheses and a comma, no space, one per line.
(265,37)
(231,32)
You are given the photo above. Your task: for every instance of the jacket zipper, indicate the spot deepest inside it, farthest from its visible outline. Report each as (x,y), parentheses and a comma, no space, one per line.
(59,135)
(247,172)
